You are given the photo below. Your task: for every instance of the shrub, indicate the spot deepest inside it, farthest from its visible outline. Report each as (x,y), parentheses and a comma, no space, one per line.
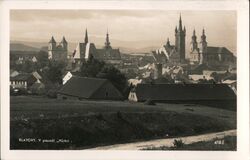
(178,143)
(149,102)
(52,94)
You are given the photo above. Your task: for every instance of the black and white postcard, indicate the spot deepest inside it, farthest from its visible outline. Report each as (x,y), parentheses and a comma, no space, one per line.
(124,80)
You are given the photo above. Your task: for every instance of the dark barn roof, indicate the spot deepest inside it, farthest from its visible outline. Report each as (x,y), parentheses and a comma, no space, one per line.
(84,87)
(22,77)
(166,92)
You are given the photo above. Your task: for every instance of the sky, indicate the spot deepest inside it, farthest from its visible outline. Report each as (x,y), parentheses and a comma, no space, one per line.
(127,28)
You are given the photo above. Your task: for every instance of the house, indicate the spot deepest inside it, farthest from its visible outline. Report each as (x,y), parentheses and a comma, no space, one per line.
(68,75)
(208,94)
(13,73)
(134,81)
(37,76)
(197,77)
(89,88)
(232,84)
(23,81)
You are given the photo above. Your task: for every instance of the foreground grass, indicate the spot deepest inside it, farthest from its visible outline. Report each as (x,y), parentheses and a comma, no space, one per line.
(59,124)
(229,143)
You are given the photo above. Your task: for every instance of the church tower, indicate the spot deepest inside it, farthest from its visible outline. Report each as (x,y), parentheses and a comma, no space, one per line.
(180,35)
(51,47)
(203,47)
(64,44)
(194,44)
(107,43)
(86,40)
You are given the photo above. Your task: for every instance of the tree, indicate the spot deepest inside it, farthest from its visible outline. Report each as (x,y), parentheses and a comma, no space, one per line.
(95,68)
(114,76)
(54,72)
(28,66)
(91,67)
(42,59)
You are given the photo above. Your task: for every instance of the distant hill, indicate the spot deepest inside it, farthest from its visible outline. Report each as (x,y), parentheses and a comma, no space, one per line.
(122,45)
(22,47)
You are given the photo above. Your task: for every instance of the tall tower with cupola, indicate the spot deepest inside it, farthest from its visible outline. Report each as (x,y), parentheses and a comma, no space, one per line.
(203,47)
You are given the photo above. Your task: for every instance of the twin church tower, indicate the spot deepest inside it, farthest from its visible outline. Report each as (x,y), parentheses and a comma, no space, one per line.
(180,35)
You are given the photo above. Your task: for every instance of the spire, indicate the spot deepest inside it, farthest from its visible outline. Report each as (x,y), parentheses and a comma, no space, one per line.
(168,42)
(52,40)
(176,29)
(194,38)
(86,40)
(203,36)
(107,43)
(64,40)
(184,29)
(180,23)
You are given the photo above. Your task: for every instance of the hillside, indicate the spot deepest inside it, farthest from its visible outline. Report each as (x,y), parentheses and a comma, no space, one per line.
(83,124)
(22,47)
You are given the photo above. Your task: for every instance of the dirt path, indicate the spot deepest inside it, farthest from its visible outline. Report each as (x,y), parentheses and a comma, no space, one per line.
(167,141)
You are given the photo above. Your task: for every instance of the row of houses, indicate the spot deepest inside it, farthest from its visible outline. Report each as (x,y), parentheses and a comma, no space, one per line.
(32,82)
(85,88)
(102,89)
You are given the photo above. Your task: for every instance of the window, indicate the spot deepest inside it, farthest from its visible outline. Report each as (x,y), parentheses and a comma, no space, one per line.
(106,94)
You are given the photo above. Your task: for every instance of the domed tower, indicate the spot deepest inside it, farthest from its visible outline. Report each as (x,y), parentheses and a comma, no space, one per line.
(51,47)
(107,42)
(194,44)
(203,47)
(180,35)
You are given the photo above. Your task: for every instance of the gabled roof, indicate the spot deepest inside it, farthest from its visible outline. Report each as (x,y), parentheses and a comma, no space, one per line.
(83,87)
(108,53)
(218,50)
(21,77)
(163,92)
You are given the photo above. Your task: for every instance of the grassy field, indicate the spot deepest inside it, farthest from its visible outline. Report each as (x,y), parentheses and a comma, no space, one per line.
(67,124)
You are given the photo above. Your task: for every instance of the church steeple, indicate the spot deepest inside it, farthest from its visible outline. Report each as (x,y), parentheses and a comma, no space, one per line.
(194,44)
(176,29)
(168,43)
(203,47)
(180,23)
(107,43)
(86,40)
(180,34)
(203,36)
(64,43)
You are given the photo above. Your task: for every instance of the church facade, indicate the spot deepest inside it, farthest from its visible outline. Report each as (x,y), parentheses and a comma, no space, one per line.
(107,53)
(199,53)
(210,55)
(58,52)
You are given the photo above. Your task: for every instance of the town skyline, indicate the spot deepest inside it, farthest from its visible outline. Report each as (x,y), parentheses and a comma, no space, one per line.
(127,28)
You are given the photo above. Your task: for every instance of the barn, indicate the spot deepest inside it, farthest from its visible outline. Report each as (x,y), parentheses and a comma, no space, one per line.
(207,94)
(89,88)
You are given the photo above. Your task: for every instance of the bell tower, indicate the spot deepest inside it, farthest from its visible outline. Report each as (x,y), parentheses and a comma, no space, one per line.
(180,34)
(194,44)
(51,47)
(203,47)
